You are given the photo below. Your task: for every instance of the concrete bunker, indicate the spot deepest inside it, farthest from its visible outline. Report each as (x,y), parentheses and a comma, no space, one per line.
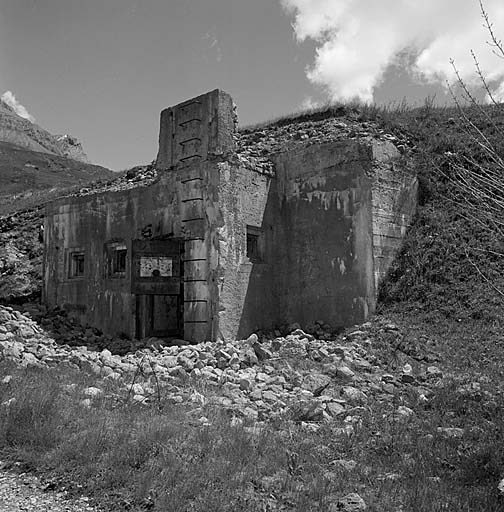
(217,244)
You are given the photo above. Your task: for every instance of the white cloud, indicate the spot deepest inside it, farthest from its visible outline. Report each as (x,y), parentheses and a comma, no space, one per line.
(358,39)
(9,98)
(497,94)
(213,44)
(309,103)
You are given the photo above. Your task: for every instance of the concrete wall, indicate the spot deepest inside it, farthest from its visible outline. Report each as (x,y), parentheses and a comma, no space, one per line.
(196,130)
(248,295)
(328,221)
(193,137)
(180,205)
(315,215)
(87,223)
(395,195)
(332,218)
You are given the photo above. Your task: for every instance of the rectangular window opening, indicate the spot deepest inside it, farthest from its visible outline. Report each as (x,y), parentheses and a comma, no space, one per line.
(119,261)
(255,244)
(77,261)
(117,254)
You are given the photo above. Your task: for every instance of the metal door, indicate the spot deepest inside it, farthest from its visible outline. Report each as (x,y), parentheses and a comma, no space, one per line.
(157,284)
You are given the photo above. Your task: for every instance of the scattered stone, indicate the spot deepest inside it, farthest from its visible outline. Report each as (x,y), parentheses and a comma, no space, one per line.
(347,465)
(434,372)
(246,384)
(137,389)
(408,378)
(350,503)
(407,368)
(356,334)
(92,392)
(262,353)
(471,390)
(169,361)
(252,340)
(404,411)
(258,377)
(392,477)
(307,411)
(316,383)
(335,409)
(9,402)
(344,373)
(452,432)
(353,395)
(29,360)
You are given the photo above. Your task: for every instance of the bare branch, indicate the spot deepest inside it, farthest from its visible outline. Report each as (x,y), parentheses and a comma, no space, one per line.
(500,292)
(496,44)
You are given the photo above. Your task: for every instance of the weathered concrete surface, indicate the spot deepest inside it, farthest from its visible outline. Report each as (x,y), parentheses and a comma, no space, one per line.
(179,205)
(248,298)
(315,216)
(196,130)
(333,217)
(87,223)
(395,191)
(327,220)
(326,216)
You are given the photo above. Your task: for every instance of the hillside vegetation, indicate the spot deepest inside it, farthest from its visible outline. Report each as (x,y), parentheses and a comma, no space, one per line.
(452,261)
(29,178)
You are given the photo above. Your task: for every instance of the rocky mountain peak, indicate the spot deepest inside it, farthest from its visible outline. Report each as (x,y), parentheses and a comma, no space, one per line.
(17,127)
(72,148)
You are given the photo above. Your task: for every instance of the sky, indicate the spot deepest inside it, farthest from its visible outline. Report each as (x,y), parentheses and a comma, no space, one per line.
(102,70)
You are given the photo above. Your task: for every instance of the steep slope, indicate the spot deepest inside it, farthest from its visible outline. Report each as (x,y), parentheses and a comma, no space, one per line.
(34,169)
(23,133)
(21,253)
(28,177)
(451,263)
(452,259)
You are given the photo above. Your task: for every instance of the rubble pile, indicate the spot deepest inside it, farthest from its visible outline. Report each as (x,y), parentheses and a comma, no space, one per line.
(296,376)
(256,144)
(20,254)
(141,175)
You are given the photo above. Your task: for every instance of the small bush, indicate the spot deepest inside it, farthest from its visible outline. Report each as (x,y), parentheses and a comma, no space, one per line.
(35,415)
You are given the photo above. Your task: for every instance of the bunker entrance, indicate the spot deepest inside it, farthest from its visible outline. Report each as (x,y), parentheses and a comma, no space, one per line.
(157,285)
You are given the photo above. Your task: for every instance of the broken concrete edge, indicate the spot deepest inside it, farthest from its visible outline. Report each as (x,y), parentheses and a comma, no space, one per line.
(200,127)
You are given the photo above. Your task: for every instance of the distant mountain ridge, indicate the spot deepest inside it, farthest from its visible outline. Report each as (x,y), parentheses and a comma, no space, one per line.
(23,133)
(29,178)
(37,166)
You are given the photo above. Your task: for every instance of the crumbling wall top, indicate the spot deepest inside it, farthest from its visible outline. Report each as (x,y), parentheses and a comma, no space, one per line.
(196,129)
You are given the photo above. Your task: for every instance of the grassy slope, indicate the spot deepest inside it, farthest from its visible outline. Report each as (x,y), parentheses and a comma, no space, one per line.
(160,457)
(28,178)
(445,278)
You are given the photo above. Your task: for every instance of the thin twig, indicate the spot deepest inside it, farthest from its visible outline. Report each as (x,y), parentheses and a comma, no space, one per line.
(500,292)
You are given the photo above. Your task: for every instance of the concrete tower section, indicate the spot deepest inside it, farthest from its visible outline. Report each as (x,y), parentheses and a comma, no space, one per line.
(217,245)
